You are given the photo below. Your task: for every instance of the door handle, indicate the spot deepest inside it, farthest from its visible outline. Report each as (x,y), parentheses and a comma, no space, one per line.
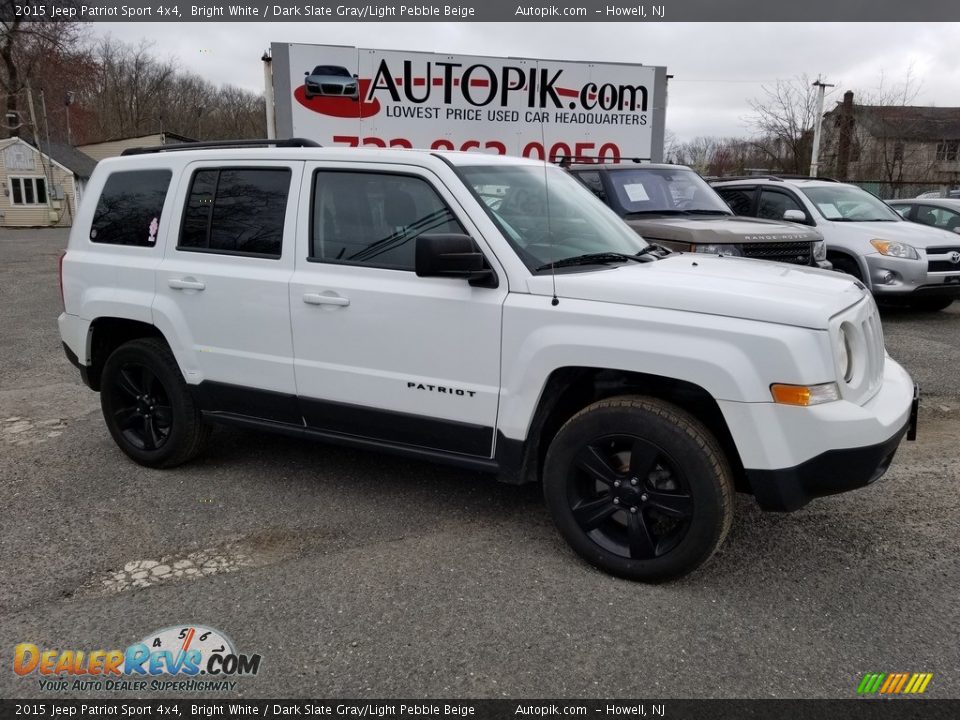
(185,284)
(321,299)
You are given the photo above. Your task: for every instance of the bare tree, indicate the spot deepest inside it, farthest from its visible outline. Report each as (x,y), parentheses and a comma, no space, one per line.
(140,94)
(25,43)
(783,119)
(698,153)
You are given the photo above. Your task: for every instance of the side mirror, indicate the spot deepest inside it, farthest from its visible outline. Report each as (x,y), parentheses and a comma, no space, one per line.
(306,72)
(453,255)
(796,216)
(957,230)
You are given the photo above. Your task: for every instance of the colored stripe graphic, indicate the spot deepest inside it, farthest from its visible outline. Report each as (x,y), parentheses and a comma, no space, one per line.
(894,683)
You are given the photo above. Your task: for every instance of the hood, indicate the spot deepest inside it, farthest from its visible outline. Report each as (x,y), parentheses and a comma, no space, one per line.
(920,236)
(726,286)
(702,230)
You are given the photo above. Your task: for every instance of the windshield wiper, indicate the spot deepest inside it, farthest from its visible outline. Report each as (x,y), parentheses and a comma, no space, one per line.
(599,258)
(708,212)
(657,212)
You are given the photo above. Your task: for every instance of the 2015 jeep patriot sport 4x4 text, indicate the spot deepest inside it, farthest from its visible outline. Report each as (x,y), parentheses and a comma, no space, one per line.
(373,298)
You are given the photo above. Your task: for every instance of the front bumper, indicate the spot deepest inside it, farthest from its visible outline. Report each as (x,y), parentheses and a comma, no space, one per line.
(829,473)
(899,277)
(793,454)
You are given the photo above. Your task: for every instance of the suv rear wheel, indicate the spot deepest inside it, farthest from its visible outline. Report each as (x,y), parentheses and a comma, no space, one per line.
(639,488)
(147,407)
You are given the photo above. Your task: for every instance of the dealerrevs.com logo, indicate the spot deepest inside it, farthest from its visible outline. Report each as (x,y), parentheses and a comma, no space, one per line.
(186,658)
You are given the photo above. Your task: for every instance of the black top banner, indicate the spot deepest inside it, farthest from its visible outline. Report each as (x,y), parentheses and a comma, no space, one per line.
(530,709)
(483,11)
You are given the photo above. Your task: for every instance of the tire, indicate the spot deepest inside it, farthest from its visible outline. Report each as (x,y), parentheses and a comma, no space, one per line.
(647,454)
(846,265)
(931,304)
(147,406)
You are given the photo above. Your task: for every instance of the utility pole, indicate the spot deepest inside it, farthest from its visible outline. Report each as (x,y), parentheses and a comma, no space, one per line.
(815,155)
(48,181)
(68,101)
(35,131)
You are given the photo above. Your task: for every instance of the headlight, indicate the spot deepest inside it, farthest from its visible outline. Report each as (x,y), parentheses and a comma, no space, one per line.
(844,355)
(716,249)
(820,250)
(895,249)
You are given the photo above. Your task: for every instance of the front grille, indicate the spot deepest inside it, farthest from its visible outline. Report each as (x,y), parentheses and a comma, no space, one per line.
(788,252)
(873,333)
(865,333)
(332,89)
(942,264)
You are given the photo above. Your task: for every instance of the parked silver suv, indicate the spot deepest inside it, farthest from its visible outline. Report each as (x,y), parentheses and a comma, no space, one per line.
(899,261)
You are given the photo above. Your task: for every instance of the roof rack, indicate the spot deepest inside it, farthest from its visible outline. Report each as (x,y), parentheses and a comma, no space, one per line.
(595,159)
(204,144)
(777,178)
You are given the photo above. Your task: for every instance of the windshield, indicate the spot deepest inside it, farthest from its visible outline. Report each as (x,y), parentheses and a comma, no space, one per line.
(330,70)
(845,203)
(665,190)
(547,216)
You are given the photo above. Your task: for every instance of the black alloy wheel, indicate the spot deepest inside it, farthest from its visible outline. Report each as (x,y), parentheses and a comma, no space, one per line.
(639,488)
(141,407)
(630,497)
(147,406)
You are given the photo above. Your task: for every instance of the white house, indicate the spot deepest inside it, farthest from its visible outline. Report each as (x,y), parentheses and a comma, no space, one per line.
(41,189)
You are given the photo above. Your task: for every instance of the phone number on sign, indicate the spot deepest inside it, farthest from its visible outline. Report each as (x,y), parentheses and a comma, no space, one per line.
(588,151)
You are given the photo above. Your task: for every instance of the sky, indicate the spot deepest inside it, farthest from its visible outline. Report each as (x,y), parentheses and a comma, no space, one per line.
(718,68)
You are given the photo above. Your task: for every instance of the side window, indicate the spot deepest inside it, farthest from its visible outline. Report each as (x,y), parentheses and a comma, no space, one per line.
(374,219)
(740,200)
(773,204)
(937,217)
(592,180)
(128,212)
(236,211)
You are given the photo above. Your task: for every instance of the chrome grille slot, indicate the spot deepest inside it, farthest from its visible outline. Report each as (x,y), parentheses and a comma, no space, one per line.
(788,252)
(866,338)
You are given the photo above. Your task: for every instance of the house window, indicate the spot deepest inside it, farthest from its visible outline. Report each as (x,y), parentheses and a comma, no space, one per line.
(948,151)
(28,190)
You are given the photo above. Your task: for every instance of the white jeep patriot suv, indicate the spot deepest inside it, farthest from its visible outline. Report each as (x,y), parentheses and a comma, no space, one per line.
(394,300)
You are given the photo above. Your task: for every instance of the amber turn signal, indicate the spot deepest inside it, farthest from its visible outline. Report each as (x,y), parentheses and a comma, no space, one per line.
(804,395)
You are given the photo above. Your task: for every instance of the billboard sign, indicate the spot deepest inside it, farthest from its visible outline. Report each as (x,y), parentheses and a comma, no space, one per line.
(340,95)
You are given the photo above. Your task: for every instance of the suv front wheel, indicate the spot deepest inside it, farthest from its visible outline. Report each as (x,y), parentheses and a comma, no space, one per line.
(147,407)
(639,488)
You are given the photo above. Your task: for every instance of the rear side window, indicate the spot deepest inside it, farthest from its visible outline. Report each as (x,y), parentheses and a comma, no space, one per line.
(236,211)
(128,212)
(739,200)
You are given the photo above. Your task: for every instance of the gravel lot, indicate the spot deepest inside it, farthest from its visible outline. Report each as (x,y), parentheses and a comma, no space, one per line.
(357,575)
